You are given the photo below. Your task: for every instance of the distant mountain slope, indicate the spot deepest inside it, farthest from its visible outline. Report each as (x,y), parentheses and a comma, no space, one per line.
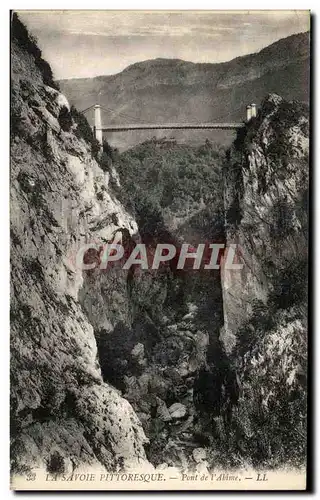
(171,89)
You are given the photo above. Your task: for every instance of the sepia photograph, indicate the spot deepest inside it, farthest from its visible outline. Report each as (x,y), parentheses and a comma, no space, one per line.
(159,233)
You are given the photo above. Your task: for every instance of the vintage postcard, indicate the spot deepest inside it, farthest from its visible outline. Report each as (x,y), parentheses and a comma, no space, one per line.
(159,249)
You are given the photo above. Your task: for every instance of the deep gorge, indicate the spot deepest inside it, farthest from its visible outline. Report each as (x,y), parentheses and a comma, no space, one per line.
(131,368)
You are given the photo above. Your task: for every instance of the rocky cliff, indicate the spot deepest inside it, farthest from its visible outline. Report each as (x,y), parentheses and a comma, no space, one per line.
(265,303)
(63,414)
(266,199)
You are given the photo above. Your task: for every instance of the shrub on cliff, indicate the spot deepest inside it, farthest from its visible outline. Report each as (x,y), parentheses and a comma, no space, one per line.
(108,156)
(269,424)
(84,131)
(65,119)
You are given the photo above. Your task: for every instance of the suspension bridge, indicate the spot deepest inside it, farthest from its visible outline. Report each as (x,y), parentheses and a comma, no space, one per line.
(99,129)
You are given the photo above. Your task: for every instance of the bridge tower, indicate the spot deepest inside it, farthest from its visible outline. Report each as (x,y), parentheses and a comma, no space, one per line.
(97,123)
(251,111)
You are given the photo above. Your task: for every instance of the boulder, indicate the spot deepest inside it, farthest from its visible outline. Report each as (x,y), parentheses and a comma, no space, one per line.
(199,454)
(138,354)
(177,410)
(162,411)
(138,351)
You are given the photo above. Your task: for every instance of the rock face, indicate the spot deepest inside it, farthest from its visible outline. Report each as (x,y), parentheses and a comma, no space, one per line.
(266,197)
(63,414)
(265,303)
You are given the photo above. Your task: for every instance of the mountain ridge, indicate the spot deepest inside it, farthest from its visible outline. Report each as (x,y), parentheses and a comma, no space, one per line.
(191,63)
(165,90)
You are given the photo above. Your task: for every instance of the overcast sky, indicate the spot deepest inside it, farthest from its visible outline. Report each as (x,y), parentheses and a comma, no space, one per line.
(90,43)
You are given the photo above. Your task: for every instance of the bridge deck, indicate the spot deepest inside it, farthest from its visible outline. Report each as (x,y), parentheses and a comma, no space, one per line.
(179,126)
